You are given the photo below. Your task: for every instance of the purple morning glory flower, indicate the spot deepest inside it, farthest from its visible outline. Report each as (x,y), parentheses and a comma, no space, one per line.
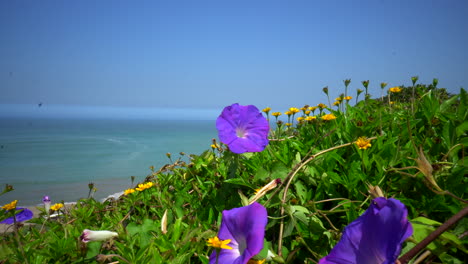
(245,226)
(375,237)
(243,128)
(24,215)
(46,199)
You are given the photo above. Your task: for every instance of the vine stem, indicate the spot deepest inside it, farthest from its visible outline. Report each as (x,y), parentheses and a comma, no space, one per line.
(290,177)
(431,237)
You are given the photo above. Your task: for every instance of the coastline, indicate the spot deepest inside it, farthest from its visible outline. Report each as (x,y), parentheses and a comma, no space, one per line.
(6,228)
(59,158)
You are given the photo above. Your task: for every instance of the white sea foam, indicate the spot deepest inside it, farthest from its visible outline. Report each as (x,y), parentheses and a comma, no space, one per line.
(114,196)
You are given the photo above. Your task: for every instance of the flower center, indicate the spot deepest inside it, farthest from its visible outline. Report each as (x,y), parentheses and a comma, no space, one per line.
(240,132)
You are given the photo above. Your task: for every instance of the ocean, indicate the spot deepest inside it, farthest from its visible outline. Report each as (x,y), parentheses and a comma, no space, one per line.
(59,157)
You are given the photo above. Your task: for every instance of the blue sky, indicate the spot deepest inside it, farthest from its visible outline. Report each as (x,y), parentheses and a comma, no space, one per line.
(209,54)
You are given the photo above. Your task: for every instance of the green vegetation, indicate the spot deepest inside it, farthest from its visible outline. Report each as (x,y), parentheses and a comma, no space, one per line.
(418,139)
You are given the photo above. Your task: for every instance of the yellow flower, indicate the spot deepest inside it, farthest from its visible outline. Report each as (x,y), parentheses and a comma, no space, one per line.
(294,110)
(288,113)
(253,261)
(144,186)
(329,117)
(10,206)
(300,119)
(266,110)
(347,98)
(395,89)
(56,206)
(129,191)
(338,99)
(321,106)
(276,114)
(214,146)
(312,108)
(216,243)
(337,103)
(392,102)
(307,112)
(288,124)
(363,143)
(310,118)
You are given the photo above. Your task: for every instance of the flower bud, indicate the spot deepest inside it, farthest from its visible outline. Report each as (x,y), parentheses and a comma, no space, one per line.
(46,201)
(375,191)
(325,90)
(365,83)
(347,82)
(101,235)
(164,223)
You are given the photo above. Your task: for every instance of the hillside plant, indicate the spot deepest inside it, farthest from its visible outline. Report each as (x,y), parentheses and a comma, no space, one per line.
(380,181)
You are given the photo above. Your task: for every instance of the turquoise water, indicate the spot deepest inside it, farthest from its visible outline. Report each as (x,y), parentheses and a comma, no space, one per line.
(59,157)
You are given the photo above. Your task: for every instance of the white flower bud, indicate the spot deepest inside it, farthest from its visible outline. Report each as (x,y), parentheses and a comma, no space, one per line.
(90,235)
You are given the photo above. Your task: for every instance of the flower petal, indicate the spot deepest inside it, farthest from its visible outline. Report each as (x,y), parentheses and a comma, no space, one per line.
(375,237)
(243,128)
(245,226)
(24,215)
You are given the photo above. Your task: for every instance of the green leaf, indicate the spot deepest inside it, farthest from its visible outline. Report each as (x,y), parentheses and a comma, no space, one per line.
(279,171)
(462,129)
(446,105)
(177,230)
(261,174)
(446,258)
(421,231)
(316,225)
(244,199)
(239,181)
(93,249)
(425,221)
(301,191)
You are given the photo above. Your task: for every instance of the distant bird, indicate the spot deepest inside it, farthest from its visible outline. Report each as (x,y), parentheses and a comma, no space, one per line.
(39,104)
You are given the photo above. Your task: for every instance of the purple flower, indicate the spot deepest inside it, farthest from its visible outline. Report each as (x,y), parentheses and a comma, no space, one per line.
(243,128)
(375,237)
(245,226)
(24,215)
(46,199)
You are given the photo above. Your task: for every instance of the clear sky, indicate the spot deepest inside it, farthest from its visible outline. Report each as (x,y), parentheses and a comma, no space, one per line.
(209,54)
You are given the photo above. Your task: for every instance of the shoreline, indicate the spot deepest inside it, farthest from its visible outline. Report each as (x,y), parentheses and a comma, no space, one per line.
(30,196)
(7,228)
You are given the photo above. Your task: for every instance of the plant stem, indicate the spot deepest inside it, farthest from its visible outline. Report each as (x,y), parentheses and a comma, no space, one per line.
(290,177)
(431,237)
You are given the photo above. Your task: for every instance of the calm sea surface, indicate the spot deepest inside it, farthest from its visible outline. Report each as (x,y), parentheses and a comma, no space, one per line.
(59,158)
